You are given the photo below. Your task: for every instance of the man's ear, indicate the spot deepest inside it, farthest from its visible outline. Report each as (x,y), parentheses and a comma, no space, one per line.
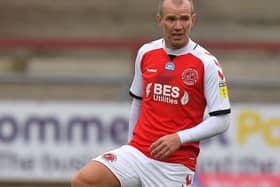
(159,20)
(193,19)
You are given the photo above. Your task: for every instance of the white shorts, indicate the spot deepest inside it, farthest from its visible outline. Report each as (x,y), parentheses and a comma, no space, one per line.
(134,169)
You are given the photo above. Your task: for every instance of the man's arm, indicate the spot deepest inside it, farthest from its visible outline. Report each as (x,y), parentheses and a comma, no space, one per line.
(212,126)
(134,115)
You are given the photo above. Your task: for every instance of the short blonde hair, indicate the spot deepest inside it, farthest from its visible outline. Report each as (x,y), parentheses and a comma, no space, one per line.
(176,2)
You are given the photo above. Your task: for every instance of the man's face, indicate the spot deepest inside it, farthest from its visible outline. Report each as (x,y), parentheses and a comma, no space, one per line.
(176,22)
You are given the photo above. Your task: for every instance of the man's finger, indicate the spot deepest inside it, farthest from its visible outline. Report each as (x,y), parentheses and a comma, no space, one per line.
(155,144)
(156,147)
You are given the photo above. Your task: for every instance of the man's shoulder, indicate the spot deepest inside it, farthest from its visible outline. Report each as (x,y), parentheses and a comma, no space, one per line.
(152,45)
(199,50)
(203,54)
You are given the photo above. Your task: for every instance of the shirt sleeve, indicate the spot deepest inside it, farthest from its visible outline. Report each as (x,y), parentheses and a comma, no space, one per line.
(210,127)
(135,110)
(136,88)
(215,89)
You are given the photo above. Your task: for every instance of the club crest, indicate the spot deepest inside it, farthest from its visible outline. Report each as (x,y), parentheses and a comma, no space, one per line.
(190,76)
(109,157)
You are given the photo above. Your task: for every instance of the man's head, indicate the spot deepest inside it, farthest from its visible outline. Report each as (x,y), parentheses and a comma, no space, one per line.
(176,17)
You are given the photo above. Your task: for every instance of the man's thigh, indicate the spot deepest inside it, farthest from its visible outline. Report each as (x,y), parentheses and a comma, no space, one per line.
(122,162)
(166,174)
(134,169)
(97,174)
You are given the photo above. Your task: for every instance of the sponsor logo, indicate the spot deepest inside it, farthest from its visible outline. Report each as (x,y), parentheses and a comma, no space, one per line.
(166,93)
(148,89)
(190,76)
(170,66)
(151,70)
(185,98)
(166,90)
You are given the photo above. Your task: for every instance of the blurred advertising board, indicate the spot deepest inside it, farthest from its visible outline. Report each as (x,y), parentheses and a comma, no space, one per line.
(251,144)
(50,141)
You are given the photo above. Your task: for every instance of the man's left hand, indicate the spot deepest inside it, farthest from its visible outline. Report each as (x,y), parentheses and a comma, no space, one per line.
(165,145)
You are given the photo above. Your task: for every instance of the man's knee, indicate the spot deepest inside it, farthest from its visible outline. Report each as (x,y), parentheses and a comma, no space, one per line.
(76,182)
(95,174)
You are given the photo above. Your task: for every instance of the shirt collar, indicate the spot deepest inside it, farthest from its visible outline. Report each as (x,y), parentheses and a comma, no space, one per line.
(188,48)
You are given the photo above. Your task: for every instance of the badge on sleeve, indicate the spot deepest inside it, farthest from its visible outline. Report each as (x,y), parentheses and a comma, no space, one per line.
(223,85)
(223,90)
